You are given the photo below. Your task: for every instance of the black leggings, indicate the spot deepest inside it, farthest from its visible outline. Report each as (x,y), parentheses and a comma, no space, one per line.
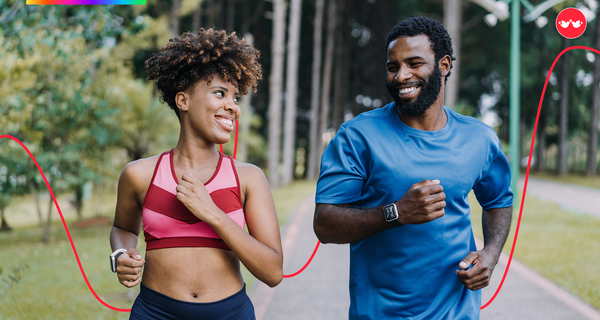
(154,305)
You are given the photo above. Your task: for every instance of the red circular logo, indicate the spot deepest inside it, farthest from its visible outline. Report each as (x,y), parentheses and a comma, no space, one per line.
(571,23)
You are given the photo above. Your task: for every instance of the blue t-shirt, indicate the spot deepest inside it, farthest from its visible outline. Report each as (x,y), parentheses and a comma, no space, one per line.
(408,272)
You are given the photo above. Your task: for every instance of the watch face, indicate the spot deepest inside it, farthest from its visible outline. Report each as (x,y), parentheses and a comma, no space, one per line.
(390,213)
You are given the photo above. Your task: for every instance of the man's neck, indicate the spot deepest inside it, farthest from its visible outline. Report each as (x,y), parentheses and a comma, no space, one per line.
(433,119)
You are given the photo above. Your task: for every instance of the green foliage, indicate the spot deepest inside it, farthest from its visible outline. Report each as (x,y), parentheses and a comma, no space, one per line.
(148,127)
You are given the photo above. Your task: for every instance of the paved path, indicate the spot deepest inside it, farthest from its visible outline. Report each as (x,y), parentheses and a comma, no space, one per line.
(570,196)
(321,291)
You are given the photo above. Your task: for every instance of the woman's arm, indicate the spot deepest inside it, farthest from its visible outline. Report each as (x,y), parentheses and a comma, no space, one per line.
(127,225)
(260,251)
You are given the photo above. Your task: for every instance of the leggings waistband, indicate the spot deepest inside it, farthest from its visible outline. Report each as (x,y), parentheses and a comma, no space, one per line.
(151,304)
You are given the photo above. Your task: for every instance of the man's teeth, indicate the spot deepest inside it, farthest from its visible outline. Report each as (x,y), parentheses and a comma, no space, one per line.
(407,90)
(226,121)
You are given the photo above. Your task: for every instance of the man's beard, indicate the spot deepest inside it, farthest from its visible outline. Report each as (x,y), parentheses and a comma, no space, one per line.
(429,93)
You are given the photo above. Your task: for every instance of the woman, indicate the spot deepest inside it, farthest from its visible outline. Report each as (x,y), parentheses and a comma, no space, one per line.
(193,200)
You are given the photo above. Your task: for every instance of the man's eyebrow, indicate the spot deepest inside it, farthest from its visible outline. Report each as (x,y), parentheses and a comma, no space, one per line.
(410,59)
(414,58)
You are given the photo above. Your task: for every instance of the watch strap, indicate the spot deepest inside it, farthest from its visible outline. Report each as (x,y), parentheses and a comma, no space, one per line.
(114,257)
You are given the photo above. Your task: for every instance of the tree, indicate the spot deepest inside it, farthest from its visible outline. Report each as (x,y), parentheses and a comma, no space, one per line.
(592,152)
(175,17)
(561,167)
(314,140)
(327,67)
(275,84)
(63,109)
(13,180)
(341,73)
(293,56)
(453,21)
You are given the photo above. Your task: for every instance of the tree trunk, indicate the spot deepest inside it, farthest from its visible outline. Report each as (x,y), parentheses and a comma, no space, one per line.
(36,195)
(314,142)
(342,70)
(561,167)
(291,92)
(452,21)
(541,136)
(196,19)
(275,83)
(543,121)
(522,130)
(175,19)
(221,14)
(592,152)
(230,15)
(4,227)
(210,13)
(327,67)
(46,236)
(245,103)
(78,203)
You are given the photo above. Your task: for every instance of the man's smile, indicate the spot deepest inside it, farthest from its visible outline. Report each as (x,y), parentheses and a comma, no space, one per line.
(408,92)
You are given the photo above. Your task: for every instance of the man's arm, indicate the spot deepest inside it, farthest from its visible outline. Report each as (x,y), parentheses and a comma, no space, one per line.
(496,225)
(423,202)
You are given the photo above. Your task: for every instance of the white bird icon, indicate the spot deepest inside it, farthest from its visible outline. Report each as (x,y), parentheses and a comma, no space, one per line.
(564,23)
(577,24)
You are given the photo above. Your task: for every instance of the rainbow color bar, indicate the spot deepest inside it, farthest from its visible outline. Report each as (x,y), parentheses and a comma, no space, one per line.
(85,2)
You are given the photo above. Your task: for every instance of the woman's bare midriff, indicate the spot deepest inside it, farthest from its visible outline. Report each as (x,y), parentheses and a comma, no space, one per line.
(193,274)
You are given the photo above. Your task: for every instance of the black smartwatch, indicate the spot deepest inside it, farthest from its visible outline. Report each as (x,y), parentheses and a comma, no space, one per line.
(114,257)
(390,212)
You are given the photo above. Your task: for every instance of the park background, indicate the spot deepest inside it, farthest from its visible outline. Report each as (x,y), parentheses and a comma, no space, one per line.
(73,89)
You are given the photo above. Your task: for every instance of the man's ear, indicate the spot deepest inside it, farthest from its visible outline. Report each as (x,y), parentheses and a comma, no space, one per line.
(445,64)
(182,101)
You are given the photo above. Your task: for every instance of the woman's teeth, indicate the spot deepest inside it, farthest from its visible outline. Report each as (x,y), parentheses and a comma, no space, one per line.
(225,121)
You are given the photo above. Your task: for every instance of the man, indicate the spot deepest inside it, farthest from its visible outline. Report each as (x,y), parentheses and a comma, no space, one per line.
(394,184)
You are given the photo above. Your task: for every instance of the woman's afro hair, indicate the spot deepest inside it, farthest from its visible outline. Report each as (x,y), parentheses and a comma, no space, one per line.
(441,44)
(192,57)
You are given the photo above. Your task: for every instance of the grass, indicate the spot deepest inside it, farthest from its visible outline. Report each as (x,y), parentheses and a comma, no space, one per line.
(43,281)
(593,182)
(51,286)
(560,245)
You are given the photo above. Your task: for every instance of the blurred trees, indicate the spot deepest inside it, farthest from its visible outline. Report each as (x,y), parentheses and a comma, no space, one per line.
(73,88)
(293,58)
(275,89)
(59,88)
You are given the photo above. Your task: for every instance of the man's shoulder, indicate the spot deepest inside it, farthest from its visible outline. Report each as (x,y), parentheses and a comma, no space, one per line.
(471,124)
(372,117)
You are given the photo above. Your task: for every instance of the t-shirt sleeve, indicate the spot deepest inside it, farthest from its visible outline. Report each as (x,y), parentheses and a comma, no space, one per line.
(342,175)
(493,188)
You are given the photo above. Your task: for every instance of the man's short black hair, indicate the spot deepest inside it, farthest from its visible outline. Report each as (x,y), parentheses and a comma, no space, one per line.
(441,44)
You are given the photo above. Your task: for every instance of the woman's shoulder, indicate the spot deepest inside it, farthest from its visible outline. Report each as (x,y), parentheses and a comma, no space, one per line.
(248,172)
(138,173)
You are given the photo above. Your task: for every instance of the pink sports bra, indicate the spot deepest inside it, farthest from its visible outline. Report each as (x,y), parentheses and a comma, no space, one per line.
(168,223)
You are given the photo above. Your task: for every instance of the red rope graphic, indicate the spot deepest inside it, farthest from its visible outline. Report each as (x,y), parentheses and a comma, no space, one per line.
(306,264)
(512,250)
(64,224)
(318,243)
